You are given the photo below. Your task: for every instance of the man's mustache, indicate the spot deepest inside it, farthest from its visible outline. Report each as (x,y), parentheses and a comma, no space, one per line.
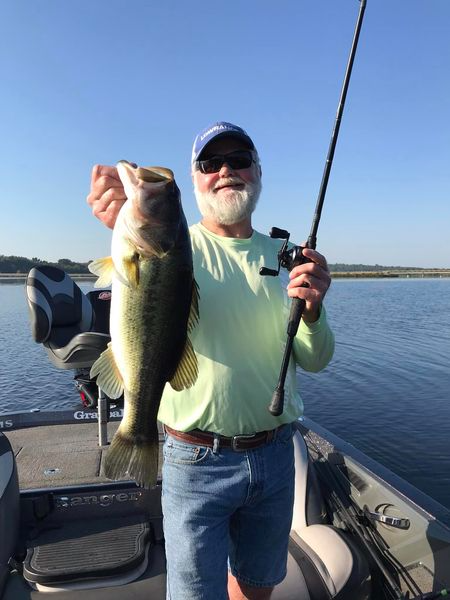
(226,182)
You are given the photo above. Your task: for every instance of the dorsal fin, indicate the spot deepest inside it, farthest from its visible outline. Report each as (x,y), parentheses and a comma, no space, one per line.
(194,312)
(187,370)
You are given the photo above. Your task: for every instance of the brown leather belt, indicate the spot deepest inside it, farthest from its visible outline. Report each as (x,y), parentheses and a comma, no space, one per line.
(238,443)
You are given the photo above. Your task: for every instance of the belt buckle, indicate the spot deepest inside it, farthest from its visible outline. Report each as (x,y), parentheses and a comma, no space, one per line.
(235,440)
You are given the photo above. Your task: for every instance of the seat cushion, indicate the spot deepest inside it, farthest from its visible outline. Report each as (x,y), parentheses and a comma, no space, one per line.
(332,563)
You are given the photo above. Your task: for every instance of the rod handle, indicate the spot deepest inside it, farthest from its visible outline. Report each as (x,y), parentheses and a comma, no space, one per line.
(277,403)
(297,308)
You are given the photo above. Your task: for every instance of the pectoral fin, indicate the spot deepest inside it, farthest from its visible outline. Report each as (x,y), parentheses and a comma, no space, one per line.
(130,269)
(108,375)
(187,370)
(104,269)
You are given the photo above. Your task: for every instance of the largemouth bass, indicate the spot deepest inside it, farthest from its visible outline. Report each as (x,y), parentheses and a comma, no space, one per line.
(154,306)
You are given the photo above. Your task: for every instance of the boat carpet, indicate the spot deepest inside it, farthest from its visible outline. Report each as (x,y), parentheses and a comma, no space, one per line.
(91,549)
(60,455)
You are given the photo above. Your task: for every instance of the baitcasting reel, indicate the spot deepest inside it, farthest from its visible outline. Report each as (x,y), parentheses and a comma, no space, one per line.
(287,258)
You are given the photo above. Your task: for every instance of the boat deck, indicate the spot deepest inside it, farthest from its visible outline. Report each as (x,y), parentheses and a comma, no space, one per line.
(68,455)
(61,455)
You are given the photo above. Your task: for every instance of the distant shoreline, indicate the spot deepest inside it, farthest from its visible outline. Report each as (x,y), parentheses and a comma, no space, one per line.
(86,276)
(388,274)
(422,274)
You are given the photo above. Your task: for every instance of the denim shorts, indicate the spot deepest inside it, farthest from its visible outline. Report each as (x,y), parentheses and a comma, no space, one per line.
(226,508)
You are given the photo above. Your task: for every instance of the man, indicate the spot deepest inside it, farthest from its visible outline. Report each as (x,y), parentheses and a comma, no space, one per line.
(228,473)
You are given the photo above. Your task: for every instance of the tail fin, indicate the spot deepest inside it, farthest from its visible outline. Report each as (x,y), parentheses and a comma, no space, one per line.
(136,459)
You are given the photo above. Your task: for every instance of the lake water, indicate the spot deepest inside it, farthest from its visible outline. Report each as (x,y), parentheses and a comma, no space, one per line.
(387,390)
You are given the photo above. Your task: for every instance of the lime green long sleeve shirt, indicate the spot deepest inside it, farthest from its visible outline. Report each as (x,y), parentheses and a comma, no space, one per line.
(240,339)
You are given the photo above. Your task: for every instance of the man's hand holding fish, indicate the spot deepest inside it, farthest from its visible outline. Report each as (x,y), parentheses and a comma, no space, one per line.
(107,194)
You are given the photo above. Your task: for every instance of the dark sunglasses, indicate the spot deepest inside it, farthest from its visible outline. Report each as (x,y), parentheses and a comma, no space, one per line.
(239,159)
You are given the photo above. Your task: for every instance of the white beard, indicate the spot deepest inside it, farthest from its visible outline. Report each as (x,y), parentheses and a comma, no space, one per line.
(231,206)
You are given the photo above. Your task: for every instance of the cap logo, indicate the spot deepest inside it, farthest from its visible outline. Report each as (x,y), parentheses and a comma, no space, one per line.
(215,128)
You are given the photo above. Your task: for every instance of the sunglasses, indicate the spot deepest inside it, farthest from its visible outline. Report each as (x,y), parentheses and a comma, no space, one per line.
(239,159)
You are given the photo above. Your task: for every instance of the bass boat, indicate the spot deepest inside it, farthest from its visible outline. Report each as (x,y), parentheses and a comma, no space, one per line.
(359,532)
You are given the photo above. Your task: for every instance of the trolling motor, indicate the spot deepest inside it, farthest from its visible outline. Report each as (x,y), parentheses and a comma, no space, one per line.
(294,256)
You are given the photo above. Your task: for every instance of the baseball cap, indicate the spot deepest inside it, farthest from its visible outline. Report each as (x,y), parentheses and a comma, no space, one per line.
(215,131)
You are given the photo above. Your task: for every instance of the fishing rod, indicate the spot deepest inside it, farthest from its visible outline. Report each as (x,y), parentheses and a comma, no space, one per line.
(290,258)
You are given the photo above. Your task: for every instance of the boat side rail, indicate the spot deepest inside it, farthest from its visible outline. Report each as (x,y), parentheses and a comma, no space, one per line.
(371,501)
(35,417)
(335,449)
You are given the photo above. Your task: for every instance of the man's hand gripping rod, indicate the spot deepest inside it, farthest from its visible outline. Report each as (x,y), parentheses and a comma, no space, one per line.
(294,257)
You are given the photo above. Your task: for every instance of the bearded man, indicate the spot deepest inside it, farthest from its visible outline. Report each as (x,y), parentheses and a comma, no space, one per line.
(228,472)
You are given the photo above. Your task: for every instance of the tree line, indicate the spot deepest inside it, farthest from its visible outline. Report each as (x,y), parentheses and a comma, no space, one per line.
(345,268)
(20,264)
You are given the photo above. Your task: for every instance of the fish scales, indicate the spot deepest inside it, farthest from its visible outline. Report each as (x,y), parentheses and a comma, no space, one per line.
(158,321)
(154,305)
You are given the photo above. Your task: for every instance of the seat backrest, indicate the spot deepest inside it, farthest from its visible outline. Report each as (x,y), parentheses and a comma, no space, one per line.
(9,507)
(332,563)
(56,301)
(309,506)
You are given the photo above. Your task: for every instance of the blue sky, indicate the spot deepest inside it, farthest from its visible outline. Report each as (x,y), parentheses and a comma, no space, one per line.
(93,82)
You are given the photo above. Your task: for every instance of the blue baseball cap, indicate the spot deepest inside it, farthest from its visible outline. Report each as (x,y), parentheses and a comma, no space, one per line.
(218,130)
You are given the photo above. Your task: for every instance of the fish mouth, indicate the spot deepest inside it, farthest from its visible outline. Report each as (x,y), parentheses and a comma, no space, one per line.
(148,174)
(154,174)
(152,213)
